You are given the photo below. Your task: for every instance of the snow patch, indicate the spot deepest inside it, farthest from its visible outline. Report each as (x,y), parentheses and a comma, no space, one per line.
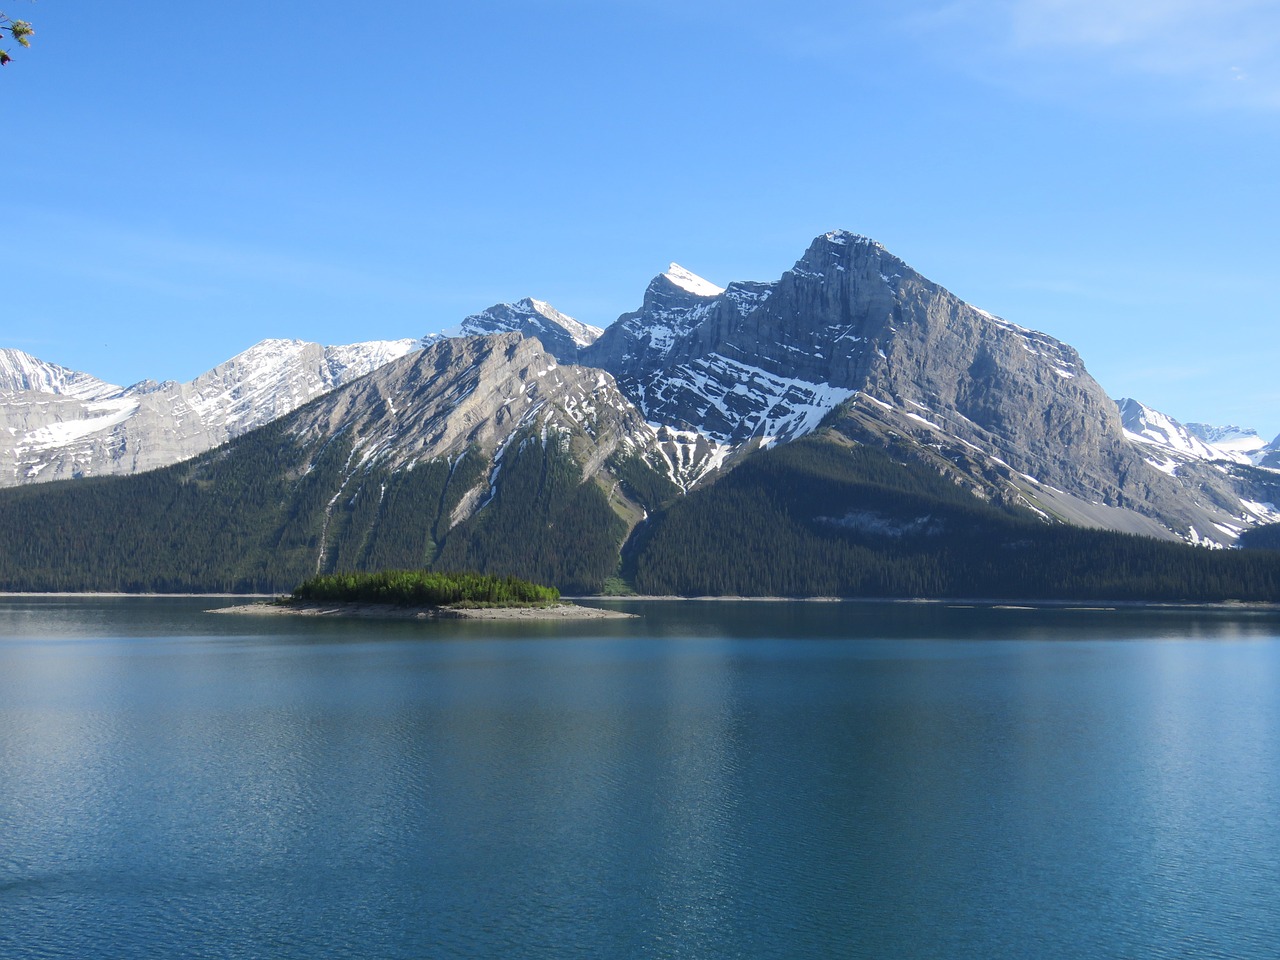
(690,282)
(110,413)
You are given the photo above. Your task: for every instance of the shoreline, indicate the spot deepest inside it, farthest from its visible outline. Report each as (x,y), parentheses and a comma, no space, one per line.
(381,611)
(480,613)
(993,603)
(123,595)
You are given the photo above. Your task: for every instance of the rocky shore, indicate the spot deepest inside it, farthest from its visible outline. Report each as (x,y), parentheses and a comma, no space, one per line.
(379,611)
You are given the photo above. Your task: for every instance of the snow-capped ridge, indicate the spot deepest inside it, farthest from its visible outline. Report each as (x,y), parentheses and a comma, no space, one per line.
(690,282)
(1228,438)
(73,425)
(560,333)
(583,334)
(20,371)
(1199,441)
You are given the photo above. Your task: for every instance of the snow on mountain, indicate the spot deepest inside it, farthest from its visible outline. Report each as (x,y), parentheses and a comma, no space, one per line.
(735,402)
(691,282)
(1231,440)
(476,391)
(275,377)
(1168,442)
(1165,441)
(478,394)
(74,425)
(21,371)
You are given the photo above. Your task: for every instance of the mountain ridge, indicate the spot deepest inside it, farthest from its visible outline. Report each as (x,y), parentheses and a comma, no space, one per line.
(73,425)
(714,373)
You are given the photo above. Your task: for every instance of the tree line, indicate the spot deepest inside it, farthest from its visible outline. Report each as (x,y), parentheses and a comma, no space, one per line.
(423,588)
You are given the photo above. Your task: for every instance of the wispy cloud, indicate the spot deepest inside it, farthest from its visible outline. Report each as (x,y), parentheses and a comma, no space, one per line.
(1220,54)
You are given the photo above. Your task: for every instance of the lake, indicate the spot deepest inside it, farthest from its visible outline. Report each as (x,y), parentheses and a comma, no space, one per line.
(715,779)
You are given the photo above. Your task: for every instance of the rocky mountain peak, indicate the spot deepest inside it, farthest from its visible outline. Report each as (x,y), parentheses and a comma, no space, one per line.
(691,282)
(559,333)
(847,238)
(1162,435)
(851,324)
(841,255)
(669,297)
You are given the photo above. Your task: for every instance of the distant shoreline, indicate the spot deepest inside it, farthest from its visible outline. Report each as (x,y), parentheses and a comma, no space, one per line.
(997,603)
(385,611)
(993,603)
(123,595)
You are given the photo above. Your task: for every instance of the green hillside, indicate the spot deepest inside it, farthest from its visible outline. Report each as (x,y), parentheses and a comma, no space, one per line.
(822,516)
(266,511)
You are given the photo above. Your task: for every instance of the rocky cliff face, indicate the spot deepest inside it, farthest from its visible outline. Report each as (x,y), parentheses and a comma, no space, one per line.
(59,424)
(476,393)
(686,360)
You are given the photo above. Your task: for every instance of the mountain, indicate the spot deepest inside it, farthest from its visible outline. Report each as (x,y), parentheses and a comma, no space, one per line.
(1169,441)
(484,453)
(475,453)
(659,359)
(1218,462)
(851,427)
(1232,440)
(1270,455)
(1172,441)
(1009,412)
(562,336)
(58,424)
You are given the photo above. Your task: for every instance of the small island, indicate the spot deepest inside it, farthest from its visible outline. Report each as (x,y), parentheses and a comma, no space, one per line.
(424,595)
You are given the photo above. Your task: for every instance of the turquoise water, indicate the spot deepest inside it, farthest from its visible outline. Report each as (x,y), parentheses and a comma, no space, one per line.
(713,780)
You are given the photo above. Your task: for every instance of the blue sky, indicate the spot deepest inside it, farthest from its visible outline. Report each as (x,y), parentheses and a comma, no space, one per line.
(182,180)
